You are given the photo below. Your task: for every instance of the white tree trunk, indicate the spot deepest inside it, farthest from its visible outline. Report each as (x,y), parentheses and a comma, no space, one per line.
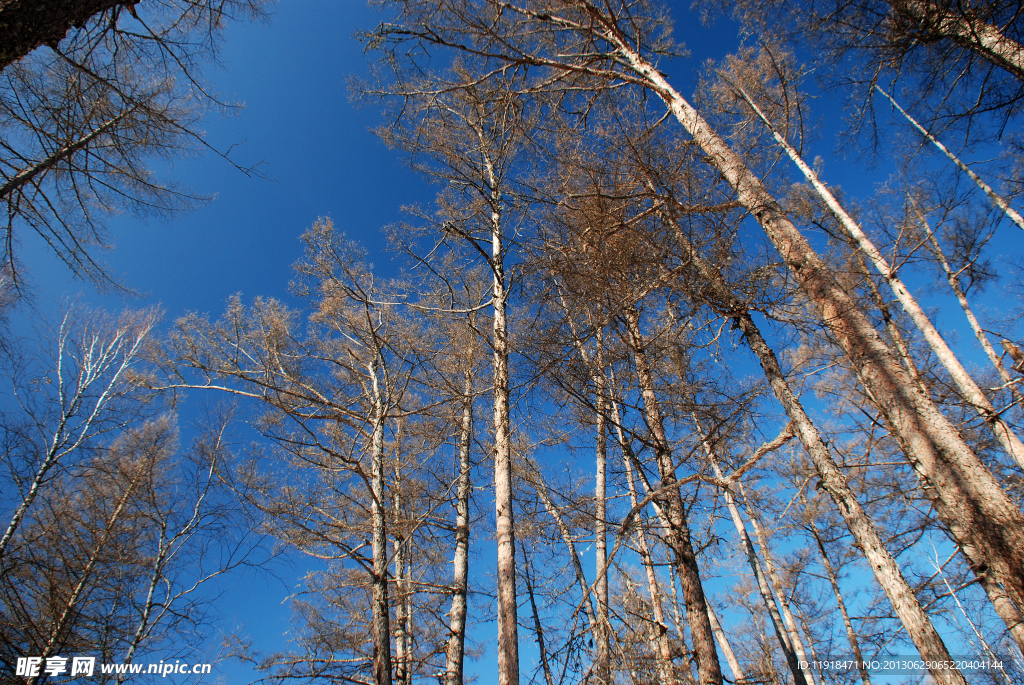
(709,670)
(508,624)
(954,283)
(984,39)
(663,650)
(887,572)
(456,652)
(379,580)
(996,198)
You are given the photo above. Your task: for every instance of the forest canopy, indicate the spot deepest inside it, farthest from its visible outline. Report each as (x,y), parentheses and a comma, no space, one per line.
(688,371)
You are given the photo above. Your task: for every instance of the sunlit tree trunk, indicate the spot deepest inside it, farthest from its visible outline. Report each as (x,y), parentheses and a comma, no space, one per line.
(963,28)
(602,628)
(663,650)
(969,499)
(455,657)
(954,283)
(380,615)
(776,584)
(886,571)
(403,618)
(725,646)
(508,625)
(996,198)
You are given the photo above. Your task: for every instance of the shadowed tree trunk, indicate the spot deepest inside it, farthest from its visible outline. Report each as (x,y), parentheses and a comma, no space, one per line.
(709,671)
(27,24)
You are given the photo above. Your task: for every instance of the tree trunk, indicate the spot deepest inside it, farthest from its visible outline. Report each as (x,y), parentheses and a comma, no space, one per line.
(538,627)
(602,628)
(381,608)
(851,634)
(403,619)
(776,584)
(895,586)
(663,650)
(508,639)
(723,644)
(709,671)
(996,198)
(954,283)
(456,652)
(570,546)
(792,658)
(28,24)
(982,38)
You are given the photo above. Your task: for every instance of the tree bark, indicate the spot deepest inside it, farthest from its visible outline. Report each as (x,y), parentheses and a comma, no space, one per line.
(776,584)
(602,627)
(709,671)
(508,625)
(723,644)
(27,24)
(379,580)
(456,652)
(969,31)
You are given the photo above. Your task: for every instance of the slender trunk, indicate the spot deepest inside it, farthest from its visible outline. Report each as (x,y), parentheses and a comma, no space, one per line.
(709,671)
(954,283)
(460,573)
(776,584)
(793,659)
(26,175)
(379,578)
(980,515)
(974,628)
(602,627)
(570,546)
(996,198)
(403,676)
(538,627)
(887,572)
(851,634)
(508,639)
(663,650)
(61,624)
(723,644)
(972,393)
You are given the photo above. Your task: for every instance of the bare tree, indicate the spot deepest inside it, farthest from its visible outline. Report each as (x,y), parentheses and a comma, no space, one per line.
(84,119)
